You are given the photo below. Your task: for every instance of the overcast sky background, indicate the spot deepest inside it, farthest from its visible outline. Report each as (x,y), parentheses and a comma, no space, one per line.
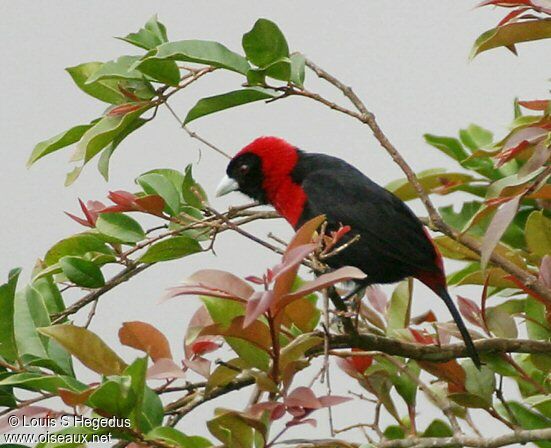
(407,60)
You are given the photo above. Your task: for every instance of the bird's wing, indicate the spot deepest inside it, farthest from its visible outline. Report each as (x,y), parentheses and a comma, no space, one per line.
(389,228)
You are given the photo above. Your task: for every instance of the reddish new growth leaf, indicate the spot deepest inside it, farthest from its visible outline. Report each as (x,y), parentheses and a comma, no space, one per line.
(542,6)
(124,202)
(300,403)
(355,365)
(422,337)
(91,211)
(197,345)
(520,141)
(471,311)
(535,104)
(124,109)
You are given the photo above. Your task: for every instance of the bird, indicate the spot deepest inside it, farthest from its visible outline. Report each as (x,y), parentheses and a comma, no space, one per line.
(392,245)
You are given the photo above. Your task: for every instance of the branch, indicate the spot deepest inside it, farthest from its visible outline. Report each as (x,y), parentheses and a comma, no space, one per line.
(517,437)
(366,117)
(371,342)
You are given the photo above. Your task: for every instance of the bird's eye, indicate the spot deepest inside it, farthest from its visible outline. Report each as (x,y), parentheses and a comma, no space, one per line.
(244,169)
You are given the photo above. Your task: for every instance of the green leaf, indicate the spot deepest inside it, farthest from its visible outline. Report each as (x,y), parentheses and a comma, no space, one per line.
(200,51)
(174,176)
(8,348)
(120,227)
(511,34)
(30,312)
(430,180)
(476,137)
(526,418)
(265,43)
(114,397)
(192,192)
(500,323)
(46,383)
(438,428)
(280,69)
(448,145)
(150,36)
(538,233)
(171,249)
(120,68)
(151,70)
(87,347)
(217,103)
(394,432)
(158,184)
(104,132)
(82,272)
(57,142)
(224,312)
(172,435)
(105,157)
(536,323)
(76,245)
(107,90)
(399,309)
(481,382)
(298,64)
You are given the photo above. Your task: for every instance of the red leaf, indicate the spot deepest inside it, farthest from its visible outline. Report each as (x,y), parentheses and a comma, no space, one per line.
(377,298)
(470,311)
(535,104)
(163,369)
(500,222)
(422,337)
(195,345)
(74,399)
(28,412)
(145,337)
(257,305)
(332,400)
(302,397)
(152,203)
(292,259)
(124,109)
(340,275)
(199,365)
(545,271)
(222,281)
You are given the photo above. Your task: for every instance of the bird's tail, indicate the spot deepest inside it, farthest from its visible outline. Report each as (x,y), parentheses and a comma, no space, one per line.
(471,350)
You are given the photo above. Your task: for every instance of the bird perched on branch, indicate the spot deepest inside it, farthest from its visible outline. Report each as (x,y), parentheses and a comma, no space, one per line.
(392,244)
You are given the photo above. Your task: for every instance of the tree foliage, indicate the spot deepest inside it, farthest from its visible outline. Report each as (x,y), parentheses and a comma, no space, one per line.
(272,320)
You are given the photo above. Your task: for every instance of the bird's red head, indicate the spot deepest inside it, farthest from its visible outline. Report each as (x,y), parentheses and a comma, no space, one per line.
(263,171)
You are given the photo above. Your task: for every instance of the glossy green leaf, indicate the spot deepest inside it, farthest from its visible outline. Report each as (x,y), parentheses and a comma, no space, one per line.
(481,382)
(150,36)
(298,65)
(117,69)
(265,43)
(173,436)
(120,227)
(105,157)
(394,432)
(87,347)
(114,397)
(399,310)
(217,103)
(280,69)
(511,34)
(200,51)
(46,383)
(82,272)
(8,348)
(171,249)
(57,142)
(30,312)
(104,132)
(500,323)
(536,324)
(476,137)
(76,245)
(107,90)
(538,233)
(154,183)
(526,418)
(438,428)
(430,180)
(192,192)
(448,145)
